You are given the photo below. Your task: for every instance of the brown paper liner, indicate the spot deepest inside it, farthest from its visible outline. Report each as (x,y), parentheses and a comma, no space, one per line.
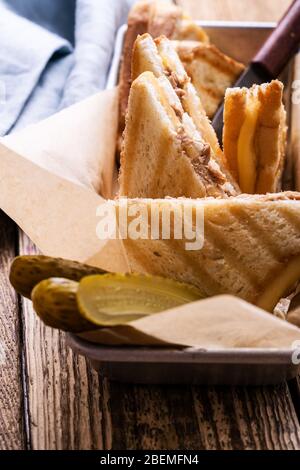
(51,175)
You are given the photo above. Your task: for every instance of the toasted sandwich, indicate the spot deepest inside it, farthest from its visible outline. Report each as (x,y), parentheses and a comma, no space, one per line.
(160,57)
(164,154)
(156,18)
(254,136)
(211,71)
(170,20)
(251,245)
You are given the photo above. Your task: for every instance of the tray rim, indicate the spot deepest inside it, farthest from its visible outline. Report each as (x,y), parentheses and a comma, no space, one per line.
(141,354)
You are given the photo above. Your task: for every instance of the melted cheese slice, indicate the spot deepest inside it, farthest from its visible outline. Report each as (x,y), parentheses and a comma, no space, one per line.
(281,285)
(246,157)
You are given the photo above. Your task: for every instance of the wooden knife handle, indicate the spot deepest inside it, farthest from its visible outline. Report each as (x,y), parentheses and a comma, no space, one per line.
(282,43)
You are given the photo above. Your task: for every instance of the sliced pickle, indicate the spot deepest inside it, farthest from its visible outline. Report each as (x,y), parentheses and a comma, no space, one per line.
(54,300)
(27,271)
(116,299)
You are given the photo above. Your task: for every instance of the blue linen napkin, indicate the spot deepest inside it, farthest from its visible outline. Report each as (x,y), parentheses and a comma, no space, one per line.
(53,53)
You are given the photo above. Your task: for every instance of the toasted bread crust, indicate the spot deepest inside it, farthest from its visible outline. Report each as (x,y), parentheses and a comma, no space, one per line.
(234,116)
(145,58)
(269,137)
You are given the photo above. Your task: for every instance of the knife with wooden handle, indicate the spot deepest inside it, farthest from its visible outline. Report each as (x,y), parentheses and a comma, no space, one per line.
(271,59)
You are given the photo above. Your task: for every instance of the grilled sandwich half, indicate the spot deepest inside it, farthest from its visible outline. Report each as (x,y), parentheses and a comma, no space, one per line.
(254,136)
(251,245)
(156,18)
(159,56)
(211,71)
(164,153)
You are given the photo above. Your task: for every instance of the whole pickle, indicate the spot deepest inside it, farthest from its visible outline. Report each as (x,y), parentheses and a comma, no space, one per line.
(116,299)
(27,271)
(54,300)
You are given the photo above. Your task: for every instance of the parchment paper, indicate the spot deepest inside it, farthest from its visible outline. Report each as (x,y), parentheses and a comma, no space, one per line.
(51,175)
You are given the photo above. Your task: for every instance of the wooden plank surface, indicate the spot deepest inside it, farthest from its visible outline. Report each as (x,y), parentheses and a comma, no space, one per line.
(294,388)
(63,390)
(12,424)
(156,417)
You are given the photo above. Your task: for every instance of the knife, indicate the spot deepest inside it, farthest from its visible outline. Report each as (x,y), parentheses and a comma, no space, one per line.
(271,59)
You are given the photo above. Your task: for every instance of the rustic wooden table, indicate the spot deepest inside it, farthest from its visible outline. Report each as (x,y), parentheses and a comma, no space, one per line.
(51,399)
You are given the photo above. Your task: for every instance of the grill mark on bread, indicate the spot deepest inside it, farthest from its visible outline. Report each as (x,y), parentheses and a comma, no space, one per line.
(294,220)
(230,254)
(130,246)
(208,283)
(187,258)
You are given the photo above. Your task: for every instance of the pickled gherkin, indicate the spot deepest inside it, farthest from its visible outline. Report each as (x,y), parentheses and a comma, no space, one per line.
(116,299)
(78,298)
(55,302)
(27,271)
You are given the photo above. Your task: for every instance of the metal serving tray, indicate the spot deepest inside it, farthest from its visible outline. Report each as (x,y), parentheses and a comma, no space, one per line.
(192,366)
